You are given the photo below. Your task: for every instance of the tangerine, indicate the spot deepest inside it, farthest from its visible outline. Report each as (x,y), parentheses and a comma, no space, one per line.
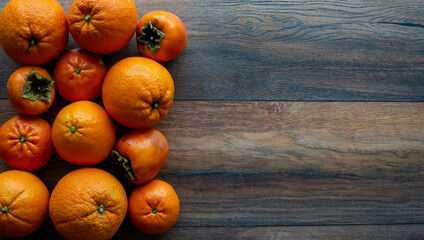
(154,207)
(25,142)
(79,75)
(83,133)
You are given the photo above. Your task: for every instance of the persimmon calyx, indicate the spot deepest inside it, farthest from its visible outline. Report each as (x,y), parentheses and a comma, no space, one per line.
(37,87)
(151,37)
(124,165)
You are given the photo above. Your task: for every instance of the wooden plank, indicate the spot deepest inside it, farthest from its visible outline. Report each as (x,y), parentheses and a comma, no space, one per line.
(285,163)
(356,50)
(375,232)
(382,232)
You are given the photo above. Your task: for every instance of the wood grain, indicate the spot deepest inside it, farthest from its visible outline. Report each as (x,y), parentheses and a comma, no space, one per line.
(375,232)
(295,233)
(337,50)
(285,163)
(288,121)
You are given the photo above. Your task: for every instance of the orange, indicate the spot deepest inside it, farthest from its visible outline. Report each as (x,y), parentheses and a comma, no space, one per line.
(24,202)
(79,75)
(25,142)
(102,26)
(33,32)
(88,203)
(31,90)
(153,208)
(137,92)
(83,133)
(141,154)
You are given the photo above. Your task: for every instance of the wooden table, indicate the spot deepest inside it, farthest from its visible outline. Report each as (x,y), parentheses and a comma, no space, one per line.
(292,120)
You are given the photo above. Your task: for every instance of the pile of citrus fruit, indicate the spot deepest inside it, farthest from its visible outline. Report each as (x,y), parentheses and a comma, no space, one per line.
(137,92)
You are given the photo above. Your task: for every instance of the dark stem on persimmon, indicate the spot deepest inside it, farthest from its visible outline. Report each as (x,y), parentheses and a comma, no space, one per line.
(151,37)
(124,165)
(37,87)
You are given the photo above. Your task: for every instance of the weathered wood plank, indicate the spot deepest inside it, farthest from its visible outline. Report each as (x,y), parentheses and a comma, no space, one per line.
(286,163)
(375,232)
(382,232)
(357,50)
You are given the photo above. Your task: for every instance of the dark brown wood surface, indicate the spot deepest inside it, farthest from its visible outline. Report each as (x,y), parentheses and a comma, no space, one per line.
(276,164)
(292,120)
(357,50)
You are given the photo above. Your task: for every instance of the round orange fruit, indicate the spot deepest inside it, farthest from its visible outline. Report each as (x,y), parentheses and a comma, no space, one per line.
(137,92)
(102,26)
(24,202)
(153,208)
(33,32)
(31,90)
(88,203)
(141,154)
(79,75)
(83,133)
(25,142)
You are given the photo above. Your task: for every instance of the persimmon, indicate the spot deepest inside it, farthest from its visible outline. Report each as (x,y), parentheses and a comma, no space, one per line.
(140,154)
(31,90)
(25,142)
(161,36)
